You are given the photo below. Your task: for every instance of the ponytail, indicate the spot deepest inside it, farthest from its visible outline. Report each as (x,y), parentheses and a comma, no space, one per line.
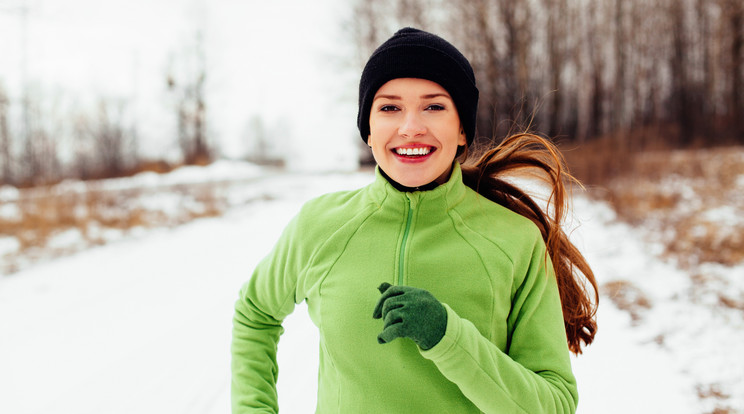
(538,157)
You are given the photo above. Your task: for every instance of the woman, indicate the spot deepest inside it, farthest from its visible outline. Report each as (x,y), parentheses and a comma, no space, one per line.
(471,314)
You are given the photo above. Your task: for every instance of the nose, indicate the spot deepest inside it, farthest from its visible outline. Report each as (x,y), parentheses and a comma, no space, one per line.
(412,125)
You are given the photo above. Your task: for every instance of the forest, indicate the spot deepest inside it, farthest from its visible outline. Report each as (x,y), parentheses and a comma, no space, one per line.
(606,80)
(602,78)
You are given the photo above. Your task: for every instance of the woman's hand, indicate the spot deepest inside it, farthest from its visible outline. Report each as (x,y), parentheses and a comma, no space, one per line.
(412,313)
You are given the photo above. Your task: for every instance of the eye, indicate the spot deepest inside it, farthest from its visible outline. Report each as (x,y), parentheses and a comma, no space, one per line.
(435,107)
(388,108)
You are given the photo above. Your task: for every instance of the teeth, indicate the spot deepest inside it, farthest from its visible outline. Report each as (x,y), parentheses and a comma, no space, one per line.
(413,151)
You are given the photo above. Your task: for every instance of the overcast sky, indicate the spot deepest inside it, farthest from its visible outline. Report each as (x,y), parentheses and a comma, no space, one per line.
(288,62)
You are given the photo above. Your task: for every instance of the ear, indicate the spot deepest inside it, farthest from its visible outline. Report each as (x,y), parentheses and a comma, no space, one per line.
(462,139)
(369,140)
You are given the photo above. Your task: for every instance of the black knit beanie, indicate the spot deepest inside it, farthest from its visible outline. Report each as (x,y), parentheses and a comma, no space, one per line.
(413,53)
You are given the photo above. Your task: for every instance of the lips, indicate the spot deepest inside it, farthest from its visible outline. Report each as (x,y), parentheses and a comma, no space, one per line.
(414,151)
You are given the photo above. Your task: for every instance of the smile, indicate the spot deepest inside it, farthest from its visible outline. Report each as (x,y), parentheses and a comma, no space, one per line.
(413,152)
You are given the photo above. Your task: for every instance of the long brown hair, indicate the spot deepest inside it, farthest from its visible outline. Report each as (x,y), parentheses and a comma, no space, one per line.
(529,154)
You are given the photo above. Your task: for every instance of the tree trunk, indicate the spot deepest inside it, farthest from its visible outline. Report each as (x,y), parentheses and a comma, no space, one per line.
(736,20)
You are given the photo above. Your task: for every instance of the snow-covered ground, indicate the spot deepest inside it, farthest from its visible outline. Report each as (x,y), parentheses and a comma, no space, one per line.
(142,324)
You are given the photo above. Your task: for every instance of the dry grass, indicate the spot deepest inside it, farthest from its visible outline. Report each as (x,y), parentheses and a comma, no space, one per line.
(722,410)
(713,391)
(95,213)
(692,201)
(628,297)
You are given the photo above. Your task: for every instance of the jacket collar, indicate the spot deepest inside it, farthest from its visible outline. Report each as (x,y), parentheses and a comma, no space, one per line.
(444,196)
(426,187)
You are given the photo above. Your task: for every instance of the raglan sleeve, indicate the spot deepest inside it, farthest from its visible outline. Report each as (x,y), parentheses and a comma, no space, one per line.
(264,301)
(533,375)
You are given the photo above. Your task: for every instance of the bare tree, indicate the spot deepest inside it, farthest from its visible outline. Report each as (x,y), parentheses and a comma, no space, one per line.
(478,40)
(104,144)
(597,66)
(83,158)
(620,45)
(680,99)
(265,144)
(413,12)
(515,71)
(6,156)
(188,91)
(557,49)
(111,141)
(623,68)
(40,164)
(734,10)
(364,29)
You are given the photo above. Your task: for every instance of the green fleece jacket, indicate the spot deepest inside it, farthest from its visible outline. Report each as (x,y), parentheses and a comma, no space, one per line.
(504,349)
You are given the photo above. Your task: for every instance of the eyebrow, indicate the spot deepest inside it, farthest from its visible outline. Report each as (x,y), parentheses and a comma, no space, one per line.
(428,96)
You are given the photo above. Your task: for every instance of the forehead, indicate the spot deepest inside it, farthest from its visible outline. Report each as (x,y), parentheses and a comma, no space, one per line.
(412,86)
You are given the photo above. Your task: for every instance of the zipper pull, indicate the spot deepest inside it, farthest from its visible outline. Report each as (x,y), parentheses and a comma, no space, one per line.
(412,200)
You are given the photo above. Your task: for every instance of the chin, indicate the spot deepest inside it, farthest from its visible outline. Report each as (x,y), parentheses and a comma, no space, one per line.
(413,181)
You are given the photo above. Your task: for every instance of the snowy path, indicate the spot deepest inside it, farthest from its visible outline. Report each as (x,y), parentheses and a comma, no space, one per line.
(143,325)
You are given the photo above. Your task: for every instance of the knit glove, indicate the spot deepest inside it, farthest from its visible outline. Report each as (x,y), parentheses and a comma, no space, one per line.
(412,313)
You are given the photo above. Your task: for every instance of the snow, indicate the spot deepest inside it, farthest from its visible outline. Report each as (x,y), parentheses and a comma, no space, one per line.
(9,212)
(8,245)
(682,343)
(727,215)
(143,324)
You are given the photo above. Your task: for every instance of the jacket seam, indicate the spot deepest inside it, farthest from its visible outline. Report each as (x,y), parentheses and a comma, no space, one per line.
(480,256)
(369,211)
(496,245)
(303,270)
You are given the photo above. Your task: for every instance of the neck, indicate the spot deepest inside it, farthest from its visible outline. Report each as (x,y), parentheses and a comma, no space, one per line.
(400,187)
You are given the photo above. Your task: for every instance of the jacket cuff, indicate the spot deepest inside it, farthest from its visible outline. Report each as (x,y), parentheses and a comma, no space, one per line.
(450,338)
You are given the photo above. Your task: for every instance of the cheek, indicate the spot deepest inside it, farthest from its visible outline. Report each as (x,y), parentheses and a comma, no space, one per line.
(378,126)
(375,146)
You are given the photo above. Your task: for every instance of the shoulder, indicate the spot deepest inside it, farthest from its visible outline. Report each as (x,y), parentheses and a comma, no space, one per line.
(339,202)
(502,237)
(330,211)
(511,232)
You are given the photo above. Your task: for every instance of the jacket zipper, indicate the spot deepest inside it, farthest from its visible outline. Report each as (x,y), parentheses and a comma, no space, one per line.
(405,240)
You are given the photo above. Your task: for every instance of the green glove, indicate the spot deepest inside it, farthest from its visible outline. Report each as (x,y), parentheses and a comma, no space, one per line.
(412,313)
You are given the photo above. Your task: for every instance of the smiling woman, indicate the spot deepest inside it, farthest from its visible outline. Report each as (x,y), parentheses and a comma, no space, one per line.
(415,131)
(476,305)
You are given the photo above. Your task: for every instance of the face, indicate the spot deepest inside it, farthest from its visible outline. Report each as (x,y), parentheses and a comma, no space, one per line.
(414,131)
